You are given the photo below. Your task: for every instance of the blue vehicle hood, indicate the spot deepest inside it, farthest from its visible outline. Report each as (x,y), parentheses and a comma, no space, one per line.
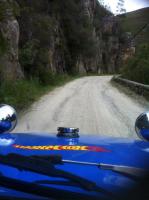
(95,149)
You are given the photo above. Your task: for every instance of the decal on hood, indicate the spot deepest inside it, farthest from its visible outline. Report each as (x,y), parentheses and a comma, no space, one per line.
(61,147)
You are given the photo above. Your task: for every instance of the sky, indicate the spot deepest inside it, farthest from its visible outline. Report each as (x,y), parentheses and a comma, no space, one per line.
(130,5)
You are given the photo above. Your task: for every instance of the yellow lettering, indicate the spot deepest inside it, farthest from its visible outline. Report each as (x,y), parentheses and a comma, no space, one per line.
(84,148)
(55,147)
(64,147)
(48,148)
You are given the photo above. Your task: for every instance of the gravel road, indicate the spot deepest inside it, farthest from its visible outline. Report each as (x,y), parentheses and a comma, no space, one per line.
(90,103)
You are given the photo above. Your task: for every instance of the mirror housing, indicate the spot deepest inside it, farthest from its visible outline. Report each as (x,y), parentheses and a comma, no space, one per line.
(8,118)
(142,126)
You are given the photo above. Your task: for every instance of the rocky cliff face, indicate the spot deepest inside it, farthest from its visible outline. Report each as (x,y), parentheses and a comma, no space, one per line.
(107,40)
(9,29)
(41,38)
(111,44)
(58,37)
(89,8)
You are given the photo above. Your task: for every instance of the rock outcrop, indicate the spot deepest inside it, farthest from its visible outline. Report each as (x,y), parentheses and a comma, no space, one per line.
(107,41)
(89,8)
(9,29)
(110,45)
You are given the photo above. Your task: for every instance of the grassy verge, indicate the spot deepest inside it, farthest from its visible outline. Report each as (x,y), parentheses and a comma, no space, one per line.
(22,93)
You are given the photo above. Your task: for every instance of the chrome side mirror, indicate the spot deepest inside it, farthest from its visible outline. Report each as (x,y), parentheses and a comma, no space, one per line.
(142,126)
(8,118)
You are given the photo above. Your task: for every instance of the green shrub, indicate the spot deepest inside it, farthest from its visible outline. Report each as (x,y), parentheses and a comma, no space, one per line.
(28,54)
(19,94)
(22,93)
(42,27)
(34,60)
(137,68)
(15,8)
(3,7)
(78,32)
(3,45)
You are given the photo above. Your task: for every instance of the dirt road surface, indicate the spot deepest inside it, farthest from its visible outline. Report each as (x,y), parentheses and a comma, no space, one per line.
(89,103)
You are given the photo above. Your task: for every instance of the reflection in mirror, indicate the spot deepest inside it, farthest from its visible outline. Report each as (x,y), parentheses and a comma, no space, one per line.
(142,126)
(8,118)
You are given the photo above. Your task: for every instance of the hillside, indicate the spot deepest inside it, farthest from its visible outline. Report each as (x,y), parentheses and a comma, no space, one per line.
(136,68)
(134,22)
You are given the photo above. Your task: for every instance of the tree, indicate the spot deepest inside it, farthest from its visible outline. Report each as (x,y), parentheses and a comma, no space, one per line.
(105,5)
(120,8)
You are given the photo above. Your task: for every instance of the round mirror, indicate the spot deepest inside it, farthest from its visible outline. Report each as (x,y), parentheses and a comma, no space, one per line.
(142,126)
(8,118)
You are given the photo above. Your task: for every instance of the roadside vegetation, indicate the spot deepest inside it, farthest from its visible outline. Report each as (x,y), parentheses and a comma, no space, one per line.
(136,23)
(137,67)
(22,93)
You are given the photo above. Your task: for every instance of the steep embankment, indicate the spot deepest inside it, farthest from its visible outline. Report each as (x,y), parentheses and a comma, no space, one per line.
(137,22)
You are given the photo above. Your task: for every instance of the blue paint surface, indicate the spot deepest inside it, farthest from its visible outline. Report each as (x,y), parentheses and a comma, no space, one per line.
(126,152)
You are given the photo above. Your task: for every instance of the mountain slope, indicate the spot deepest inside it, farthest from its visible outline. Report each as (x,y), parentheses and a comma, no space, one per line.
(135,22)
(136,68)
